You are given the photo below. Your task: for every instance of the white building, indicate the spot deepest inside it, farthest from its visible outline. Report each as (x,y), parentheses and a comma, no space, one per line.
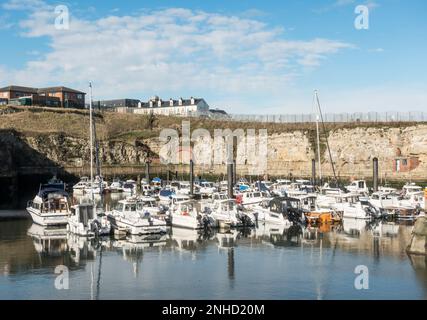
(180,107)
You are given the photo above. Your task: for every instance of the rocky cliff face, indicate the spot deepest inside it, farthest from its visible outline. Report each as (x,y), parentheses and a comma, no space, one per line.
(352,151)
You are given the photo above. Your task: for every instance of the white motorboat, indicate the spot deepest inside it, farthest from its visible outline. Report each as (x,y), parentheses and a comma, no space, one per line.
(336,201)
(411,188)
(80,186)
(129,187)
(281,187)
(272,211)
(126,218)
(84,221)
(165,195)
(50,207)
(251,198)
(389,201)
(147,189)
(116,186)
(177,198)
(358,186)
(226,214)
(149,204)
(187,214)
(206,189)
(361,210)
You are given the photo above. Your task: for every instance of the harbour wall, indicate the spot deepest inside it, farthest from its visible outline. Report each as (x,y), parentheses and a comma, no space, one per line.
(289,154)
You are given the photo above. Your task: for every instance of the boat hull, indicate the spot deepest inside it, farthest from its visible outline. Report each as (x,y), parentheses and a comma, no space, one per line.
(125,226)
(48,219)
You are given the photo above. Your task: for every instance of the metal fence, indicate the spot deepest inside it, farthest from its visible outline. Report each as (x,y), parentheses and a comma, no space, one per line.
(392,116)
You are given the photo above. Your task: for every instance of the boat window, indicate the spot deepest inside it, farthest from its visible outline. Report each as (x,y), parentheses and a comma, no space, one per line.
(119,206)
(130,207)
(165,193)
(257,195)
(139,206)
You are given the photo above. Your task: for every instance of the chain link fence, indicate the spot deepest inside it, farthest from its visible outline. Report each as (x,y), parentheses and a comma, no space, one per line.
(410,116)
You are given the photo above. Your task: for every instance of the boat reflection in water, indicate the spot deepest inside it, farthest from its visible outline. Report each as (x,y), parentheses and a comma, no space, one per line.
(132,247)
(236,260)
(58,242)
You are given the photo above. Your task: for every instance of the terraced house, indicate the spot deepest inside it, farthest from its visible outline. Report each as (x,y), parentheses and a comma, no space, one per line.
(52,97)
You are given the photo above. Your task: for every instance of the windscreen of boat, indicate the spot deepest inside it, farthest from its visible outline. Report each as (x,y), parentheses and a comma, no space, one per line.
(165,193)
(228,206)
(130,207)
(128,185)
(149,203)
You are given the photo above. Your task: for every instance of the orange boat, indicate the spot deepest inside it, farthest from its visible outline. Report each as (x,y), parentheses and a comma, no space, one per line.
(322,217)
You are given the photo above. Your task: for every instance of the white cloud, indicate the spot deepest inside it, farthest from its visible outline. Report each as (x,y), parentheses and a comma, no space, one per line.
(173,51)
(25,5)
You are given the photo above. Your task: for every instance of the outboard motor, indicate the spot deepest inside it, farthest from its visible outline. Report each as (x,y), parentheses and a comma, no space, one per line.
(206,222)
(95,226)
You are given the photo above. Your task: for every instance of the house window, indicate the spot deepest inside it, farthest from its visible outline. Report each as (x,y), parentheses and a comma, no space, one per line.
(404,162)
(79,96)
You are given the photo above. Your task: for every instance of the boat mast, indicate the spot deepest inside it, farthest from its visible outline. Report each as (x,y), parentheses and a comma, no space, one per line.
(326,137)
(91,139)
(318,142)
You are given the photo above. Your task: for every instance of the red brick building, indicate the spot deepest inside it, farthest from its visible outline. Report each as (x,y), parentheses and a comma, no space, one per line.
(53,96)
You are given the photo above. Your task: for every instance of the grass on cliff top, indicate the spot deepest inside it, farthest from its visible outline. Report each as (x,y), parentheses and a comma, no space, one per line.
(122,126)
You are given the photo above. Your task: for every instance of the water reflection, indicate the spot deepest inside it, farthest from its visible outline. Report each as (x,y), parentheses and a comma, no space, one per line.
(27,248)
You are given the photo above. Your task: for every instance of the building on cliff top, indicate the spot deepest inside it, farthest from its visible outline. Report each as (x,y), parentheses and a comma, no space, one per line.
(52,97)
(180,107)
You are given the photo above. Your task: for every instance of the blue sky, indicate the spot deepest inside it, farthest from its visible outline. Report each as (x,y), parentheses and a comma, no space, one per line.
(243,56)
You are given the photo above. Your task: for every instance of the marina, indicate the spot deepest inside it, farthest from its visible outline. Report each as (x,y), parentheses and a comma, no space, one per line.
(268,262)
(277,251)
(213,155)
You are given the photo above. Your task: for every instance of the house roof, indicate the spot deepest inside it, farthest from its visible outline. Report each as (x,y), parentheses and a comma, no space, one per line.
(61,89)
(19,88)
(38,90)
(217,111)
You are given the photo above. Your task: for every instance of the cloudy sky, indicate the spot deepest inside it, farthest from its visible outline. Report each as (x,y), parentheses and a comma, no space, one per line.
(252,56)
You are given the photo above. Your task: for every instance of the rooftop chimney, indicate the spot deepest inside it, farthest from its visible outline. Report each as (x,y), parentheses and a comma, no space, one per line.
(171,102)
(180,101)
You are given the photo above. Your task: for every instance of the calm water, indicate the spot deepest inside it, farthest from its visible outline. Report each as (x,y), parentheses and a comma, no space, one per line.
(264,263)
